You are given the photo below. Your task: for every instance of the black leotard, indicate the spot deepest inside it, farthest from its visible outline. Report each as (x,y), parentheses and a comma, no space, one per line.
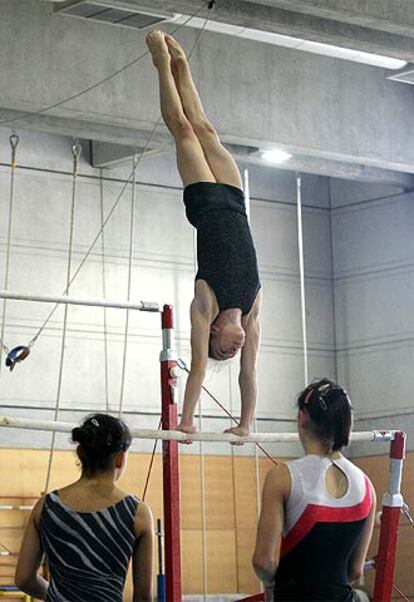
(226,254)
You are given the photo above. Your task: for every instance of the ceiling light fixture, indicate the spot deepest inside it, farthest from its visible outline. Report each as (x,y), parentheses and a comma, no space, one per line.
(275,156)
(268,37)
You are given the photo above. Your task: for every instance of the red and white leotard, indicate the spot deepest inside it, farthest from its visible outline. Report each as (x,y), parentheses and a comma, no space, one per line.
(320,531)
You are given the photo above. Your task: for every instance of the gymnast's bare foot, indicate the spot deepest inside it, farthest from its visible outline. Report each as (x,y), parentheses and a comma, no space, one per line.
(190,429)
(175,49)
(157,45)
(239,430)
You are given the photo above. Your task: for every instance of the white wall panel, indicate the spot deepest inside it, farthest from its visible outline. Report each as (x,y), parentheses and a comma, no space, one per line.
(373,250)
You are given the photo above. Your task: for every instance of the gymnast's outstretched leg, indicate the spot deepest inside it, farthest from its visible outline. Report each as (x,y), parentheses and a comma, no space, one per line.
(221,163)
(191,162)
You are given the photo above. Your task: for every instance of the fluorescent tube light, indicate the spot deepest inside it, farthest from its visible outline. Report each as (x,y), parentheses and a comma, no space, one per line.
(268,37)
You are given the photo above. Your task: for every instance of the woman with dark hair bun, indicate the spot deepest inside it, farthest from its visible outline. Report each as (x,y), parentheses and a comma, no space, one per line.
(318,511)
(89,530)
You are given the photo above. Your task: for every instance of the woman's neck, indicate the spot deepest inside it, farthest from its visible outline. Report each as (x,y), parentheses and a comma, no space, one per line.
(103,483)
(315,447)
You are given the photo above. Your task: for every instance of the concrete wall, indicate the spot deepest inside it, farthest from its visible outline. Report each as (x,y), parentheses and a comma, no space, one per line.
(373,251)
(163,269)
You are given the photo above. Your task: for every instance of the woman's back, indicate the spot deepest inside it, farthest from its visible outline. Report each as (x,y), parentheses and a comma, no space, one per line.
(88,553)
(325,513)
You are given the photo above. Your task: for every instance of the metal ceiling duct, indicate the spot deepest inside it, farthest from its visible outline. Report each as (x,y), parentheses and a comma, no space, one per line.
(113,13)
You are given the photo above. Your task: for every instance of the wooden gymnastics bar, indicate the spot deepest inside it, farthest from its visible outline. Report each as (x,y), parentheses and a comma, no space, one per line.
(173,435)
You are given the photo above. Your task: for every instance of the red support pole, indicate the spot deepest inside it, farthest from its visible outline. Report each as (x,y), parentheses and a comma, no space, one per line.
(171,483)
(390,518)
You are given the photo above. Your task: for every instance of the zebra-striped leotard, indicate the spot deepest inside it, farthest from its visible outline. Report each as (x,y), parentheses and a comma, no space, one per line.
(87,553)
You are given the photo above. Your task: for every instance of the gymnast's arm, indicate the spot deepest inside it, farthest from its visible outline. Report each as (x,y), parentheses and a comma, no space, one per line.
(358,557)
(270,528)
(200,334)
(248,361)
(142,559)
(30,558)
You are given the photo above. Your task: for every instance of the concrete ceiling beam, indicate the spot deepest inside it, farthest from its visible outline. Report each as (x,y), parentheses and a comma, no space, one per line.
(108,155)
(309,26)
(383,15)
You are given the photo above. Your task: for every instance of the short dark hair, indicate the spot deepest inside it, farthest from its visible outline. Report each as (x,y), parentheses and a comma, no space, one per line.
(330,411)
(100,437)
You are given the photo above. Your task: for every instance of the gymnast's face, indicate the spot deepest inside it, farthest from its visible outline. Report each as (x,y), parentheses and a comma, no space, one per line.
(226,341)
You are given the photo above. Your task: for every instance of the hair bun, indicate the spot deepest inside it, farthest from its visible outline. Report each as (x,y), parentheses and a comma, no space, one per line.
(83,435)
(76,433)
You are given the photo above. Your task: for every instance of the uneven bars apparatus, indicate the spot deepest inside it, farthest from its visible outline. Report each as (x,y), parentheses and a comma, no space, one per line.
(392,502)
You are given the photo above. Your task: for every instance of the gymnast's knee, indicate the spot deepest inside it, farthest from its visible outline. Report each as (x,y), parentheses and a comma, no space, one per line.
(179,126)
(204,129)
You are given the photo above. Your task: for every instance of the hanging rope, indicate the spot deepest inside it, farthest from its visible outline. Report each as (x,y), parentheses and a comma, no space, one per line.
(257,473)
(400,593)
(202,467)
(302,278)
(105,324)
(76,151)
(203,506)
(95,240)
(233,482)
(151,462)
(129,284)
(232,448)
(256,453)
(14,141)
(9,552)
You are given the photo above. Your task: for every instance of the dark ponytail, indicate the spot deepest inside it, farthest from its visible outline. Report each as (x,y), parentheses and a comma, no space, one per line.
(330,411)
(100,437)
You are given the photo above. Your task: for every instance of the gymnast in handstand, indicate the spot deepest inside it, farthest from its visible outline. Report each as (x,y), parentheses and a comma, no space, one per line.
(225,307)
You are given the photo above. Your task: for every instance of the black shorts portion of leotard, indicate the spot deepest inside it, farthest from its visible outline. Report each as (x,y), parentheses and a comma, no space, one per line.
(316,569)
(226,254)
